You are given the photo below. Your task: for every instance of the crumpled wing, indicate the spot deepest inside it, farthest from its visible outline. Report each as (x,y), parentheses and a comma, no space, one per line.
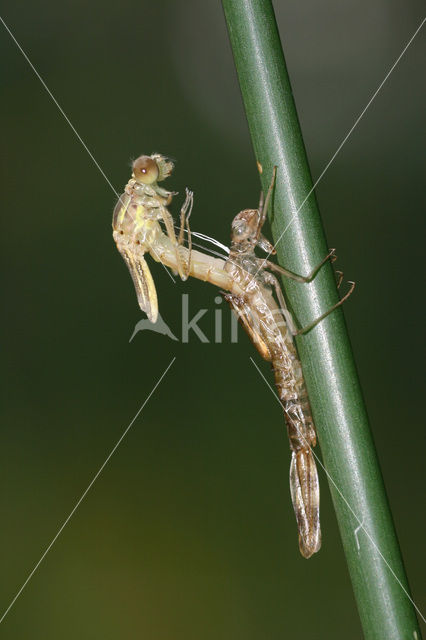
(143,281)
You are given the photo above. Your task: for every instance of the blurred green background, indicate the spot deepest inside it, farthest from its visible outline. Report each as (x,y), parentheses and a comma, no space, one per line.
(189,531)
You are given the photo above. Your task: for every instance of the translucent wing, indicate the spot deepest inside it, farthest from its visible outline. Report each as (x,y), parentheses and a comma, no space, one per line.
(142,279)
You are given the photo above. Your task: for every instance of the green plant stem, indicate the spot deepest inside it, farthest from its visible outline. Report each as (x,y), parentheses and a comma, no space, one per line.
(356,484)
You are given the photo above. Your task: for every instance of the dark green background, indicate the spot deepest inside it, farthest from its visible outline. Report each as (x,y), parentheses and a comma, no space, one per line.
(189,531)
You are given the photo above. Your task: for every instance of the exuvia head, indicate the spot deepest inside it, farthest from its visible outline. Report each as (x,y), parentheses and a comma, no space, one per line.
(150,169)
(244,227)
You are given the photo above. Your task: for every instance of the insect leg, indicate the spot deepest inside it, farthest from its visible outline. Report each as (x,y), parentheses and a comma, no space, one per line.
(264,206)
(184,219)
(189,200)
(339,275)
(294,276)
(312,324)
(272,280)
(168,222)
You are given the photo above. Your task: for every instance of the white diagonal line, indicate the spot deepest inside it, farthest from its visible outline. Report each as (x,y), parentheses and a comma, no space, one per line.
(72,127)
(357,121)
(345,139)
(80,500)
(58,105)
(361,524)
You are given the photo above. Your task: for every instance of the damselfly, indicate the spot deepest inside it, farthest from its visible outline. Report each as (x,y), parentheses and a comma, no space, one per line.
(249,287)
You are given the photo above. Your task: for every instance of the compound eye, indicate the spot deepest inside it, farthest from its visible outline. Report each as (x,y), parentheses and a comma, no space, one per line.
(145,170)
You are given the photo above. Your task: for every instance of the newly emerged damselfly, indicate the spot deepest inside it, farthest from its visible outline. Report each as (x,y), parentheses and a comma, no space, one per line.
(137,230)
(249,287)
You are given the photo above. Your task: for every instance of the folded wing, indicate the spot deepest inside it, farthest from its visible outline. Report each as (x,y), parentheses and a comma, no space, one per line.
(142,279)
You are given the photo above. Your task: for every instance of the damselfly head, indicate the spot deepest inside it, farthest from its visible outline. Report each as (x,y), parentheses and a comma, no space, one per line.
(244,226)
(146,170)
(149,169)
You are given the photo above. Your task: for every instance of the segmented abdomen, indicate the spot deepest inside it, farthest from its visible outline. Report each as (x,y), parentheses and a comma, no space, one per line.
(304,485)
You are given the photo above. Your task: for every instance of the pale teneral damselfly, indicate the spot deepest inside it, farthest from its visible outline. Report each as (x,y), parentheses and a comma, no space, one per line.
(250,289)
(137,230)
